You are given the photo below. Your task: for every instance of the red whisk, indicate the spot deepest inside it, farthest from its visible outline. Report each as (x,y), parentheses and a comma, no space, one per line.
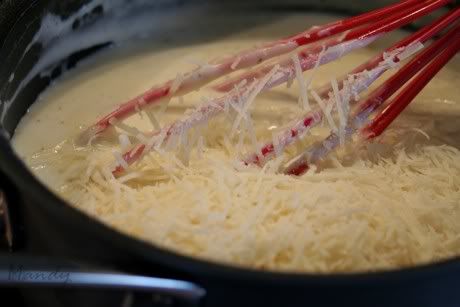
(320,45)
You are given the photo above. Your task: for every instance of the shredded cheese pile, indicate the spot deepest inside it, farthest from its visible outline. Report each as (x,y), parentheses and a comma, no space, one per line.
(387,204)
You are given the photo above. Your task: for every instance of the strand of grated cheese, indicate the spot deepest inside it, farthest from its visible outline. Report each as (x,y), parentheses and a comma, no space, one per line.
(133,131)
(152,118)
(125,143)
(176,84)
(341,110)
(315,68)
(252,94)
(236,62)
(303,100)
(326,110)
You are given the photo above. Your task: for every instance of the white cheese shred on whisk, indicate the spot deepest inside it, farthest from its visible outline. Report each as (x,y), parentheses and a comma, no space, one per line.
(303,99)
(315,68)
(326,110)
(120,160)
(176,84)
(341,110)
(133,131)
(236,62)
(124,141)
(410,50)
(152,118)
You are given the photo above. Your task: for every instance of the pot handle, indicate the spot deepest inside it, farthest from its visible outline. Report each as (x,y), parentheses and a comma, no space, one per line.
(23,271)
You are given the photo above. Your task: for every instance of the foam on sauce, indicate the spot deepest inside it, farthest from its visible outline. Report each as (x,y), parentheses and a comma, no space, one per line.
(392,203)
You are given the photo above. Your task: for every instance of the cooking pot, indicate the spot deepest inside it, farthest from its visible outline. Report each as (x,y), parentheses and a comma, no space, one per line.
(43,234)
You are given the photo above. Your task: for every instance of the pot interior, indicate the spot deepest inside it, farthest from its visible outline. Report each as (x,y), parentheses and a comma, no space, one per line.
(52,36)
